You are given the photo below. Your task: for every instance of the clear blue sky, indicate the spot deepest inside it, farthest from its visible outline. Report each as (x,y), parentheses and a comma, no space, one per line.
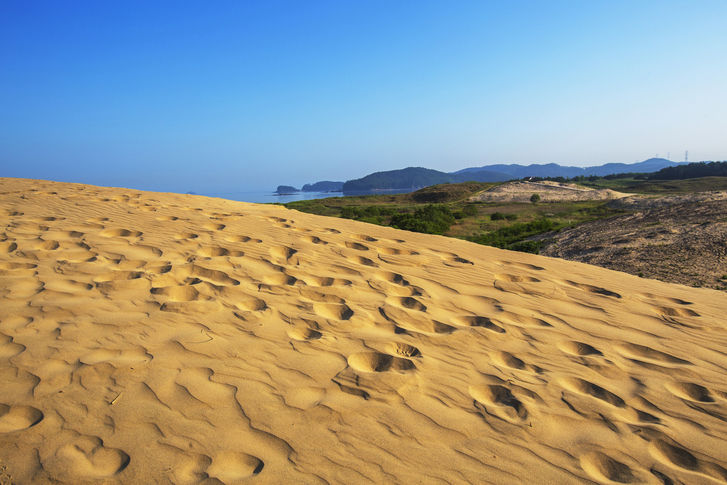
(235,95)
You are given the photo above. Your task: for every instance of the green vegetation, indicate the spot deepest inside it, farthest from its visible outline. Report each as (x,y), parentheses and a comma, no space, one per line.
(657,187)
(398,179)
(690,171)
(431,219)
(514,236)
(445,209)
(499,216)
(453,215)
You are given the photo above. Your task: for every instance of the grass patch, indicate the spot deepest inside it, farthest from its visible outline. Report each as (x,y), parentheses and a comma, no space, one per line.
(504,225)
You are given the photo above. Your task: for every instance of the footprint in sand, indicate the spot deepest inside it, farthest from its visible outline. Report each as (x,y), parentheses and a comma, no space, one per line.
(390,277)
(12,266)
(596,290)
(126,233)
(239,238)
(319,296)
(118,275)
(17,418)
(506,359)
(314,240)
(325,281)
(356,246)
(409,303)
(8,348)
(501,401)
(379,362)
(643,353)
(397,252)
(516,278)
(216,251)
(226,466)
(44,245)
(673,455)
(478,321)
(212,226)
(586,388)
(248,303)
(406,323)
(177,293)
(403,349)
(579,349)
(521,320)
(602,467)
(67,286)
(690,391)
(304,333)
(362,260)
(231,466)
(282,254)
(186,235)
(8,246)
(665,311)
(333,311)
(87,457)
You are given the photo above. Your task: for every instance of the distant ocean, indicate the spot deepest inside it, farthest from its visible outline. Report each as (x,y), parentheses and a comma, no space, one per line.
(267,197)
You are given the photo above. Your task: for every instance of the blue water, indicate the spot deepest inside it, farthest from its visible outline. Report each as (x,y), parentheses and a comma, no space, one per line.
(267,197)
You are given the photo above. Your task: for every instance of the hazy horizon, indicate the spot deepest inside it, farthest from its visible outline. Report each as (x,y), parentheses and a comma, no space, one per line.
(245,96)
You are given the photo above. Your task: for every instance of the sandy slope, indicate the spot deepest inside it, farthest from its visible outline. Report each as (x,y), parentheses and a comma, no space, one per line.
(521,191)
(152,338)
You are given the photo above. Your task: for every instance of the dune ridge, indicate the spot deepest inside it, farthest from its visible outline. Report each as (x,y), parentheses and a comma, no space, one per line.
(157,338)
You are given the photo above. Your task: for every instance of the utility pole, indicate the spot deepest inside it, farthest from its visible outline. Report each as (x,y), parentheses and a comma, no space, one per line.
(686,156)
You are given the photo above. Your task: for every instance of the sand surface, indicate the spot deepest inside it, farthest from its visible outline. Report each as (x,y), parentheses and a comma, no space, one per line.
(159,338)
(549,191)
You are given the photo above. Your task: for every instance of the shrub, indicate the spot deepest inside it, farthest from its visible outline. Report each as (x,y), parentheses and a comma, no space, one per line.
(527,246)
(432,219)
(535,198)
(497,216)
(511,217)
(470,210)
(507,237)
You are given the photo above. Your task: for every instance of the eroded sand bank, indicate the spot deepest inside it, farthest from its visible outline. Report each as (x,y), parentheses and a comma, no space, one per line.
(150,337)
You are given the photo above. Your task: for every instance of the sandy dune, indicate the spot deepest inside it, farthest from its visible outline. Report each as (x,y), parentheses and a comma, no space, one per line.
(157,338)
(549,191)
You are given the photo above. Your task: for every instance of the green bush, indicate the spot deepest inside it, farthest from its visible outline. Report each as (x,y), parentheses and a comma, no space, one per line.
(512,237)
(470,210)
(527,246)
(367,213)
(535,198)
(511,217)
(497,216)
(432,219)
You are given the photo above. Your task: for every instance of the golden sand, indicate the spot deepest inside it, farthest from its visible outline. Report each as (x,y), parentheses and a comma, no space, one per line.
(157,338)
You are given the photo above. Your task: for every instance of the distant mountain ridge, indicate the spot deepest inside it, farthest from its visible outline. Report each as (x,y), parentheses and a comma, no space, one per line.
(412,178)
(555,170)
(323,186)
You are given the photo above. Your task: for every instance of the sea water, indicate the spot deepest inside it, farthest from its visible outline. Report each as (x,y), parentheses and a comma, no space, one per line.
(267,197)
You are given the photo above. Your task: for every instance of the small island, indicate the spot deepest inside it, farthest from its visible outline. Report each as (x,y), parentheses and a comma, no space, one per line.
(286,190)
